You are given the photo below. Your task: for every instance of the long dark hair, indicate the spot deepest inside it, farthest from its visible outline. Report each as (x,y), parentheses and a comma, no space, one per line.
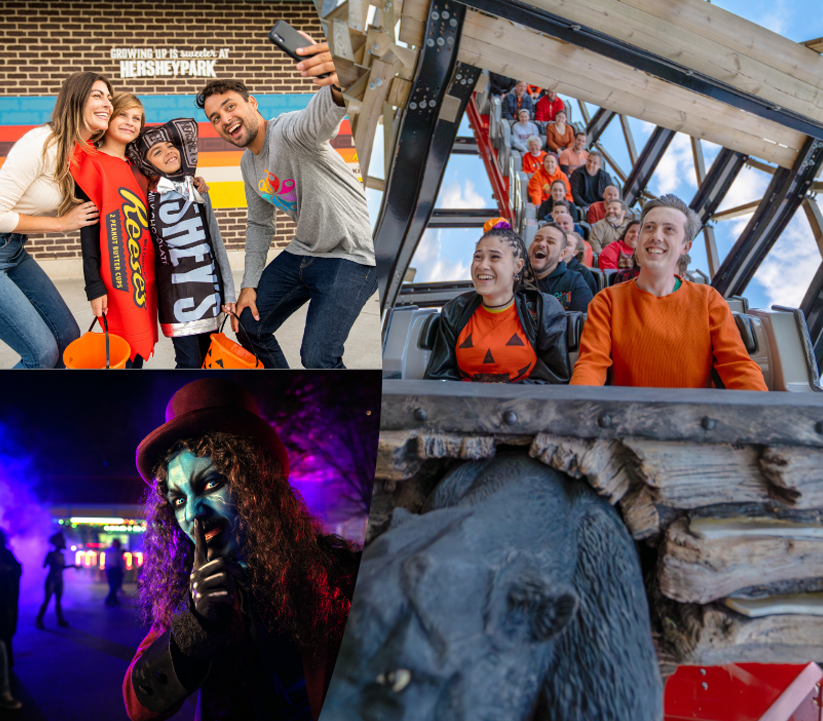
(626,230)
(525,278)
(301,579)
(66,124)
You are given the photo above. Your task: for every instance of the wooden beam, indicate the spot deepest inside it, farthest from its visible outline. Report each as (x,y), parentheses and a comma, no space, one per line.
(712,256)
(757,165)
(711,41)
(627,134)
(611,161)
(504,48)
(699,160)
(413,22)
(736,212)
(584,111)
(815,218)
(816,45)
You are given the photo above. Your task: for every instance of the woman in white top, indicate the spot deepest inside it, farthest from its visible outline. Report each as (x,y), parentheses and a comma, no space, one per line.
(37,195)
(522,130)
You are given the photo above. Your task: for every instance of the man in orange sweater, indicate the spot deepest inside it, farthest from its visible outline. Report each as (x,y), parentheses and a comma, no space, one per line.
(660,330)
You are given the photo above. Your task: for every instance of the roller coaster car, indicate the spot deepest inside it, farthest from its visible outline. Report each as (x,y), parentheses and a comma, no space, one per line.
(777,339)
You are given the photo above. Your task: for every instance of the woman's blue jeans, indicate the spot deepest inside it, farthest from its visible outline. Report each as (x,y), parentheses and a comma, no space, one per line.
(34,319)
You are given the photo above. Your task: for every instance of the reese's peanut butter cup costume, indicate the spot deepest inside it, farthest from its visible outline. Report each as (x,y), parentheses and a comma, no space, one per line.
(126,251)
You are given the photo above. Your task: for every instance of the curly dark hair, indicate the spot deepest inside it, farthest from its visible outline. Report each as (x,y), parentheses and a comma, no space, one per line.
(301,579)
(218,87)
(525,279)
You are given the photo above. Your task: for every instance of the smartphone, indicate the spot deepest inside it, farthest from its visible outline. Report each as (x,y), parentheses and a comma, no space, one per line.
(285,37)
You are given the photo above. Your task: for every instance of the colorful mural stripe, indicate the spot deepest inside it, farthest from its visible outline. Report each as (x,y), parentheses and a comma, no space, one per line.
(218,161)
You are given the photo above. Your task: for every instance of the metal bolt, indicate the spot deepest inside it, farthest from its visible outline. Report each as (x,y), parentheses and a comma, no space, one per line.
(435,15)
(445,14)
(604,421)
(705,686)
(412,106)
(510,418)
(709,424)
(441,42)
(453,22)
(576,28)
(458,76)
(702,671)
(430,43)
(376,46)
(818,427)
(372,86)
(432,103)
(450,41)
(420,414)
(378,82)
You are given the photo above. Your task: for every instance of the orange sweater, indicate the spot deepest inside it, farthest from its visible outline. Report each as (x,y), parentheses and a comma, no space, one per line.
(541,178)
(668,342)
(532,164)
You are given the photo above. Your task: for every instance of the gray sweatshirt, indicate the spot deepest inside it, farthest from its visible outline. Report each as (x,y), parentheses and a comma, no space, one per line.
(299,172)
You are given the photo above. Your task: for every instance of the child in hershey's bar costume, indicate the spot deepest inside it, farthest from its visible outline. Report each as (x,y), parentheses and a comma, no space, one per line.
(193,274)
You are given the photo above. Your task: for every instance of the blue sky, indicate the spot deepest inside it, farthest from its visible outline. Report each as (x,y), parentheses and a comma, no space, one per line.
(784,275)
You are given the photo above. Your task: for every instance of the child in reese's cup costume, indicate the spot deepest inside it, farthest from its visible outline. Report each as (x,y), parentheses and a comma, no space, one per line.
(191,266)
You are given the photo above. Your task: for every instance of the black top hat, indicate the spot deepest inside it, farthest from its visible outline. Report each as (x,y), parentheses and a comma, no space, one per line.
(208,404)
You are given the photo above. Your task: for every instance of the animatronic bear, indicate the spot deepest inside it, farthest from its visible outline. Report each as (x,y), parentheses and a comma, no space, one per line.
(516,594)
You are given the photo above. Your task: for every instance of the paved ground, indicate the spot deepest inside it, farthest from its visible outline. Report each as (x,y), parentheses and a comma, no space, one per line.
(75,674)
(363,348)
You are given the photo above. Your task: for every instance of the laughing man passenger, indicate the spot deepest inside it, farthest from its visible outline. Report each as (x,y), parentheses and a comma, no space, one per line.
(290,165)
(659,330)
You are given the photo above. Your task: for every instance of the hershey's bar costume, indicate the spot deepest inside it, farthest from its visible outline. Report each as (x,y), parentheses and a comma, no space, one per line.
(192,269)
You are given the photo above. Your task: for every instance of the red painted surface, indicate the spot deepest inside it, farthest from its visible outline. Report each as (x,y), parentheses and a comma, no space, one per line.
(744,692)
(500,183)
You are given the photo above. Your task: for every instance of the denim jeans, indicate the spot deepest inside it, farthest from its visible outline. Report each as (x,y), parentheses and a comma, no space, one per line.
(336,291)
(190,350)
(34,319)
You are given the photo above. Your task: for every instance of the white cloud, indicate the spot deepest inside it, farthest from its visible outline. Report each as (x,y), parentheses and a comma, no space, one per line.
(790,265)
(430,264)
(455,196)
(748,186)
(675,172)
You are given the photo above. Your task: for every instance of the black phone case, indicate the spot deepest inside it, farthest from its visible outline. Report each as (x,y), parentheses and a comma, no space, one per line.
(285,37)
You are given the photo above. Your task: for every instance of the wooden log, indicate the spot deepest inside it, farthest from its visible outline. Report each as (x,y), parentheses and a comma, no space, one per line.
(342,42)
(443,445)
(714,558)
(348,73)
(714,635)
(796,471)
(798,604)
(399,92)
(603,463)
(513,50)
(413,22)
(640,513)
(690,475)
(373,99)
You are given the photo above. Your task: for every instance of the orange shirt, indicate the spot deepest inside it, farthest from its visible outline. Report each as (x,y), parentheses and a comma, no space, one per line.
(668,342)
(494,348)
(572,159)
(555,141)
(541,178)
(532,164)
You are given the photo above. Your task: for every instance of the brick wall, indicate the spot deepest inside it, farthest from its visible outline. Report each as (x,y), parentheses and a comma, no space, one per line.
(43,42)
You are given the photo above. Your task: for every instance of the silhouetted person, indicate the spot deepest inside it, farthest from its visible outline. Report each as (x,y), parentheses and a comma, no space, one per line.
(114,571)
(10,571)
(54,581)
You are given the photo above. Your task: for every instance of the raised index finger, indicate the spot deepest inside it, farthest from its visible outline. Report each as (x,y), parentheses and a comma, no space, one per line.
(199,545)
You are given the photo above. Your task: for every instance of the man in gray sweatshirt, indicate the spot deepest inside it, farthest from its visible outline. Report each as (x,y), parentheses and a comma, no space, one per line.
(289,164)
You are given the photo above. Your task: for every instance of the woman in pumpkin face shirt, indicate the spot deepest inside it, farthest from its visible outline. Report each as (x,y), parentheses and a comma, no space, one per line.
(505,331)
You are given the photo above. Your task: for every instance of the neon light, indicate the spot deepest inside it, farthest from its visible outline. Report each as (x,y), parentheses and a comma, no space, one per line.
(93,521)
(127,556)
(139,556)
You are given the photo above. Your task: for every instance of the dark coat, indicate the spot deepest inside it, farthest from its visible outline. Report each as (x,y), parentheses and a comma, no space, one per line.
(569,287)
(588,189)
(543,321)
(578,267)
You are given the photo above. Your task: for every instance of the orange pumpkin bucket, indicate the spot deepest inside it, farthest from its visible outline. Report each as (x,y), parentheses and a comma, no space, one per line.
(97,350)
(225,353)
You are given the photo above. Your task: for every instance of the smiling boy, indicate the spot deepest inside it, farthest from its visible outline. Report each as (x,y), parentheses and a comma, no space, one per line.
(661,330)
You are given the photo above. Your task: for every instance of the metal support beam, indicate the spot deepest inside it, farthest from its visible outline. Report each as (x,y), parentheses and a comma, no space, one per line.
(627,134)
(424,144)
(460,217)
(465,146)
(645,165)
(815,218)
(812,307)
(782,199)
(571,32)
(596,126)
(725,168)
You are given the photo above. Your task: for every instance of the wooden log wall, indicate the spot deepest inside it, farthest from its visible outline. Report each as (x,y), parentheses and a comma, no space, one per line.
(737,529)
